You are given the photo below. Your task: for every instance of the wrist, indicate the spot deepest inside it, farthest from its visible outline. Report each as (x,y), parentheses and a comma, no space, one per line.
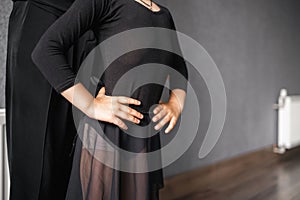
(90,109)
(176,101)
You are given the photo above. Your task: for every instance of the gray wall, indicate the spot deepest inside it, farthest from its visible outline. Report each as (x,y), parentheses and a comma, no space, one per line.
(255,44)
(5,8)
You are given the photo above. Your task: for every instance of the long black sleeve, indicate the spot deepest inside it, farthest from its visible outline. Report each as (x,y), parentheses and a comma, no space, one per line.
(177,80)
(50,53)
(105,18)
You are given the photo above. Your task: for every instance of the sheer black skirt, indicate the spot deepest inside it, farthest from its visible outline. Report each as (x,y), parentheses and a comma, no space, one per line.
(96,173)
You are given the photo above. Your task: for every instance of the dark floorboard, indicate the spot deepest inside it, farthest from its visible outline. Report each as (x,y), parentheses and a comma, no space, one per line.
(261,175)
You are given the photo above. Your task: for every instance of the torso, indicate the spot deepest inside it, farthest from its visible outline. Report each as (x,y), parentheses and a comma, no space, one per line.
(125,15)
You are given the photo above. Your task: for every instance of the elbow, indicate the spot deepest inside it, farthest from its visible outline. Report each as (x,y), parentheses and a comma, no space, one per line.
(33,57)
(41,52)
(36,55)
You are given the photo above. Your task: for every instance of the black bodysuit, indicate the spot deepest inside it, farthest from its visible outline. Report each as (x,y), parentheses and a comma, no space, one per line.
(107,18)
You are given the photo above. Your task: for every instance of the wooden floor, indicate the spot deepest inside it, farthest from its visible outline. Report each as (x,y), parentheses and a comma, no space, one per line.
(261,175)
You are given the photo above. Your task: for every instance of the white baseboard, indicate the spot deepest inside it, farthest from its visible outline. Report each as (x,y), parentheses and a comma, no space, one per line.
(4,171)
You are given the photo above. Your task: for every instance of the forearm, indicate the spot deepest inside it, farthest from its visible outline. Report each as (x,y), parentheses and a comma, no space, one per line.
(110,109)
(80,97)
(178,96)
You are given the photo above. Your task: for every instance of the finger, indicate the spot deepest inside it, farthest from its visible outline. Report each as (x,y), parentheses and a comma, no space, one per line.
(171,125)
(160,115)
(101,92)
(131,111)
(157,109)
(127,100)
(165,120)
(127,117)
(119,123)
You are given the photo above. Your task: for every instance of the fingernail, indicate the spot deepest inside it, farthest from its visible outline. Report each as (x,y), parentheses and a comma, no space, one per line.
(154,119)
(142,116)
(156,127)
(138,121)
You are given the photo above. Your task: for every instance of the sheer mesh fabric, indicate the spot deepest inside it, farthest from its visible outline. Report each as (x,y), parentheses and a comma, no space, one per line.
(96,173)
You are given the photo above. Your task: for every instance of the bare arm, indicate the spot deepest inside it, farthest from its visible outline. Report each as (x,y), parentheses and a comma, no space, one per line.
(178,96)
(170,111)
(105,108)
(49,56)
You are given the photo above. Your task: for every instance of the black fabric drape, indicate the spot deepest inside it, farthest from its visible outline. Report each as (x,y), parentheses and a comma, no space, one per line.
(40,127)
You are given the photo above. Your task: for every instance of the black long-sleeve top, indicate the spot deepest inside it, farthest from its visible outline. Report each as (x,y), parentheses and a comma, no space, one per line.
(107,18)
(56,7)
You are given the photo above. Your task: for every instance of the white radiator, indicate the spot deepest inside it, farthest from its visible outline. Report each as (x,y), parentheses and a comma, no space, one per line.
(4,171)
(288,121)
